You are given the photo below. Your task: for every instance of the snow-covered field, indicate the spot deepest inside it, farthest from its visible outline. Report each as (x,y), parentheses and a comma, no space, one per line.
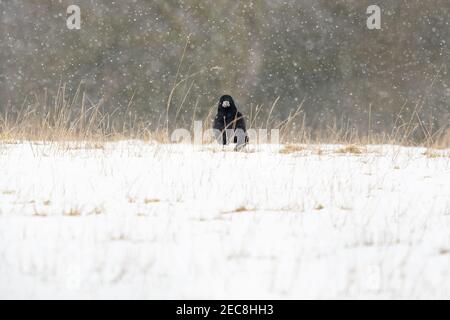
(141,220)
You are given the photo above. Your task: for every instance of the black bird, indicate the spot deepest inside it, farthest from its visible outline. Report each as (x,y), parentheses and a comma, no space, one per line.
(229,123)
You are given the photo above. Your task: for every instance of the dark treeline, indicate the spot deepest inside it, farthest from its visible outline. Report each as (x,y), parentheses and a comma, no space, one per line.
(317,50)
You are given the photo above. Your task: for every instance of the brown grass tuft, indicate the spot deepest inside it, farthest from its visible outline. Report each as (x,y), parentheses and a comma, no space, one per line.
(353,149)
(319,207)
(149,201)
(241,209)
(72,213)
(291,148)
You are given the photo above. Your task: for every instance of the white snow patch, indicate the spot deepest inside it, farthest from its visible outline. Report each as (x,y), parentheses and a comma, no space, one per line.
(141,220)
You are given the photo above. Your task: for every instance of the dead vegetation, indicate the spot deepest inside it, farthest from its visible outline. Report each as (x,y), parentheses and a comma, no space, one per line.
(319,207)
(72,213)
(241,209)
(352,149)
(75,118)
(151,200)
(436,153)
(291,148)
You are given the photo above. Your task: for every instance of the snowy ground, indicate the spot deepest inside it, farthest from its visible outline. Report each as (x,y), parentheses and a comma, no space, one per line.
(138,220)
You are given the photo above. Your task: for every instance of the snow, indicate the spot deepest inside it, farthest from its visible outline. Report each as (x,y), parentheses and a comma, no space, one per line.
(133,219)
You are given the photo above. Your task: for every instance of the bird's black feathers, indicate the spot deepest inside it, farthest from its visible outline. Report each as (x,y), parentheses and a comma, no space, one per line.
(229,123)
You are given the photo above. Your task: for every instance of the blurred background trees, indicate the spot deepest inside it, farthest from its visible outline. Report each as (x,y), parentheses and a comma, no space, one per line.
(319,51)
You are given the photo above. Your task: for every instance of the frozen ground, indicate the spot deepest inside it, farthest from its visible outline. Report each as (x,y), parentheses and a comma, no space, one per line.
(137,220)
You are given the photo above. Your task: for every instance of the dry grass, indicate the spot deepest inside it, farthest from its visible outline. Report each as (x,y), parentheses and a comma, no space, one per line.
(72,213)
(443,141)
(150,201)
(291,148)
(88,145)
(352,149)
(433,153)
(319,207)
(70,118)
(74,117)
(241,209)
